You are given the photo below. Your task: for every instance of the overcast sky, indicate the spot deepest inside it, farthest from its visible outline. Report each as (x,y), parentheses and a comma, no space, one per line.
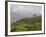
(19,11)
(23,9)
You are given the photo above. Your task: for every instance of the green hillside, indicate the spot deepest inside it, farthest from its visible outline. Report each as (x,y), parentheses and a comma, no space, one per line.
(27,24)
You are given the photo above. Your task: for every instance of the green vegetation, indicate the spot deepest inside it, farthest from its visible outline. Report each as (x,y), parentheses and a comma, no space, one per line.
(27,24)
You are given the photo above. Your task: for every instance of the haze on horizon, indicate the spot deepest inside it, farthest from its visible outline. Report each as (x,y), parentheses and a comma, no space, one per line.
(23,11)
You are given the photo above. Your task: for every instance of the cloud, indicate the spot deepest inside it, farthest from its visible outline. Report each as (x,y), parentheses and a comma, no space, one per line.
(23,9)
